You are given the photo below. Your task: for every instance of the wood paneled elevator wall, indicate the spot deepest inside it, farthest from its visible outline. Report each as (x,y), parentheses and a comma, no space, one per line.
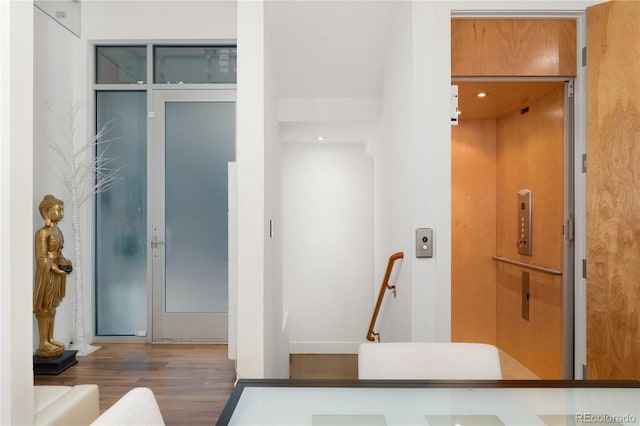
(613,191)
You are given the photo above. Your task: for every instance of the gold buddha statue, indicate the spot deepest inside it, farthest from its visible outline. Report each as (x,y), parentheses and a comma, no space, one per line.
(51,275)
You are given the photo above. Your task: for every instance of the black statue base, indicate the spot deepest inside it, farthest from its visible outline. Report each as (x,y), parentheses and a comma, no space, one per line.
(54,366)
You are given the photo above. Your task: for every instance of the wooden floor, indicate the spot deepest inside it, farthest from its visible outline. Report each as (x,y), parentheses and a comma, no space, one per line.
(191,382)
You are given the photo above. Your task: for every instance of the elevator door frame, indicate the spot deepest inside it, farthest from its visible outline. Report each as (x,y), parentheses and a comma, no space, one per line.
(579,309)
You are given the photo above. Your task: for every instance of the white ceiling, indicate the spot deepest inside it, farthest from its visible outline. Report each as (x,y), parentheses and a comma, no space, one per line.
(328,49)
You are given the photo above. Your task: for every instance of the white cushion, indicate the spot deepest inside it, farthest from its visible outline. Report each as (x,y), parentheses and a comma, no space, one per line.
(47,395)
(428,360)
(66,405)
(138,407)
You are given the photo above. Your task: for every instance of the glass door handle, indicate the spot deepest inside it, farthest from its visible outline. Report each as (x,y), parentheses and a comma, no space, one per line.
(155,243)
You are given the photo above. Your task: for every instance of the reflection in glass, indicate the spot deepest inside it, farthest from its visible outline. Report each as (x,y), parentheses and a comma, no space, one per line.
(199,142)
(64,12)
(121,212)
(194,64)
(121,64)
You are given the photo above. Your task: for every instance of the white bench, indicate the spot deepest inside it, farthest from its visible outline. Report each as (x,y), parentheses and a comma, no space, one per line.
(429,360)
(66,405)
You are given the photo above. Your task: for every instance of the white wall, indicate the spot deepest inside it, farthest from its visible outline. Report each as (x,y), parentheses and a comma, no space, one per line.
(431,169)
(250,155)
(53,89)
(413,184)
(158,20)
(16,204)
(328,245)
(390,147)
(276,357)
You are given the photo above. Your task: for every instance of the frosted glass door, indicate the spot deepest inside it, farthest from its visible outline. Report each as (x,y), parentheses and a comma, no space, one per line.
(190,237)
(121,217)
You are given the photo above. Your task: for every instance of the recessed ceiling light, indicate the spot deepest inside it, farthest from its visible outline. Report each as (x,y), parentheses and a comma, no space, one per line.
(320,138)
(481,95)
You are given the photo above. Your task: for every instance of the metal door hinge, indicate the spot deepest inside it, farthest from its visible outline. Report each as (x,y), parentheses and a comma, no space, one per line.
(571,88)
(584,56)
(570,229)
(584,268)
(584,163)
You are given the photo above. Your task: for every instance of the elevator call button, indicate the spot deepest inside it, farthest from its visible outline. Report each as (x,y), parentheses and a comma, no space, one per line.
(424,242)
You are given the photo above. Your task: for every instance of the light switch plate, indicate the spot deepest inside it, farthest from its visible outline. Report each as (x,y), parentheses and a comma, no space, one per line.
(424,242)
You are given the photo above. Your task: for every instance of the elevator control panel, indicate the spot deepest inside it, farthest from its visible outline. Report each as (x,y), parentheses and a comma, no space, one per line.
(524,222)
(424,242)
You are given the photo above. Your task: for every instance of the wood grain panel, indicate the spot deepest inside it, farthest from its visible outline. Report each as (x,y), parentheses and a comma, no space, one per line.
(473,231)
(536,343)
(513,47)
(613,191)
(530,155)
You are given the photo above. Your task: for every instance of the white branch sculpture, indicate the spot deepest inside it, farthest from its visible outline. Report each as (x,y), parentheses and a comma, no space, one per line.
(84,172)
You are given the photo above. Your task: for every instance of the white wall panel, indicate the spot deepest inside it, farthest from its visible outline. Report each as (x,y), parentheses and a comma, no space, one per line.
(391,147)
(16,223)
(53,102)
(158,20)
(328,244)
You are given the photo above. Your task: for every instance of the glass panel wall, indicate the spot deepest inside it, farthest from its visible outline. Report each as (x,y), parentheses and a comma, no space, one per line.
(121,216)
(121,64)
(194,64)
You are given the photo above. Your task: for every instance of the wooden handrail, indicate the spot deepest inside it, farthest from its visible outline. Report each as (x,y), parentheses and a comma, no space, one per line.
(372,335)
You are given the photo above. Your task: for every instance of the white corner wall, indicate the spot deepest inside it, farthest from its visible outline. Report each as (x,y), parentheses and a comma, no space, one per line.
(155,20)
(390,147)
(413,183)
(431,169)
(250,157)
(276,357)
(328,245)
(53,93)
(16,223)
